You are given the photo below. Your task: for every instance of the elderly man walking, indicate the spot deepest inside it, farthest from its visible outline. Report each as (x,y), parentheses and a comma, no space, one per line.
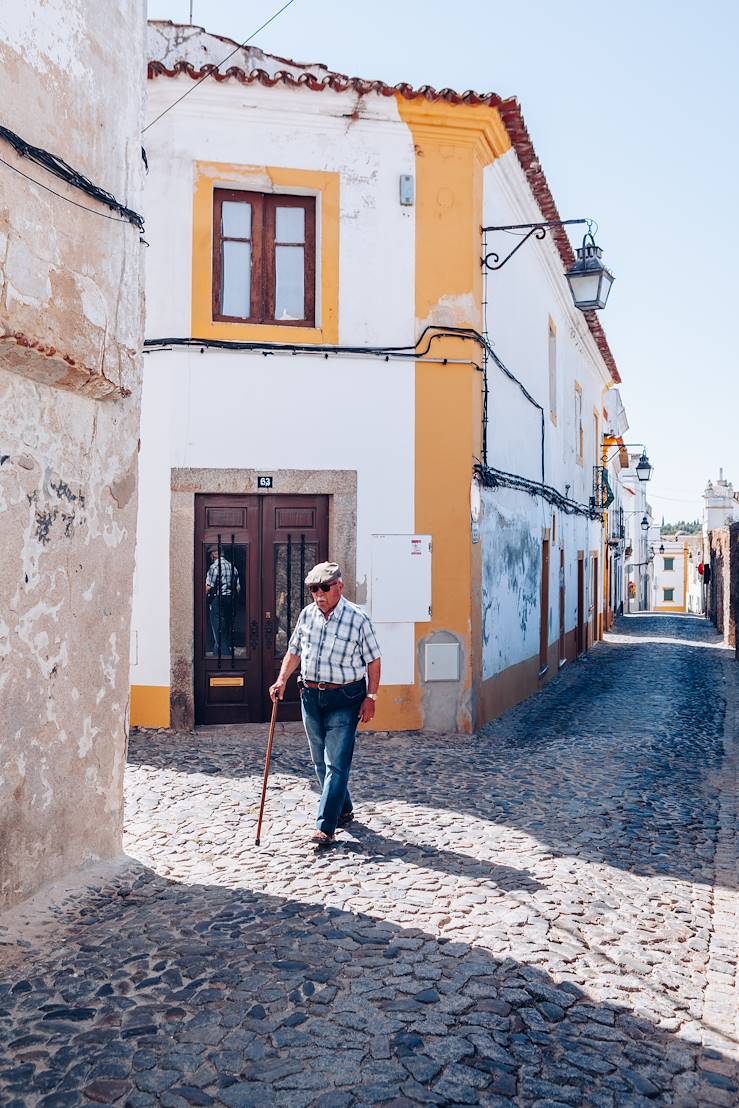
(335,646)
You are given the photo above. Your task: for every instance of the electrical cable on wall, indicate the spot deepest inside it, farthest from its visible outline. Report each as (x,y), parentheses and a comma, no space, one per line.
(65,172)
(411,352)
(492,478)
(489,476)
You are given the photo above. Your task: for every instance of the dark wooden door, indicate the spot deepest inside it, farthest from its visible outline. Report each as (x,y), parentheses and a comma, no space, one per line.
(258,550)
(227,662)
(596,610)
(562,628)
(544,621)
(294,538)
(580,604)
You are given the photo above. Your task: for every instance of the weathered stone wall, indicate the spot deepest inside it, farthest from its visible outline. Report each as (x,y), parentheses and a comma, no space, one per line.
(733,638)
(723,590)
(71,328)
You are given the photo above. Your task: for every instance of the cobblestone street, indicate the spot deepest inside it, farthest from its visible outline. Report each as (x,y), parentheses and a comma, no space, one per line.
(544,914)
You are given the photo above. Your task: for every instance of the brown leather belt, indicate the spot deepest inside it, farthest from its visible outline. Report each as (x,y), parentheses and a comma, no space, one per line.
(327,684)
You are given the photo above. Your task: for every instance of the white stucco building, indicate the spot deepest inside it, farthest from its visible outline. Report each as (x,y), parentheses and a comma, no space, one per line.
(720,504)
(638,562)
(542,561)
(319,382)
(670,584)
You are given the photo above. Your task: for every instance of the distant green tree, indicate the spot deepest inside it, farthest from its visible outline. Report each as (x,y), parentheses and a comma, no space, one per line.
(689,526)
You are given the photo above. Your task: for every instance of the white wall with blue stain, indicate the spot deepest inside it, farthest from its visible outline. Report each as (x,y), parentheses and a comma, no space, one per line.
(528,298)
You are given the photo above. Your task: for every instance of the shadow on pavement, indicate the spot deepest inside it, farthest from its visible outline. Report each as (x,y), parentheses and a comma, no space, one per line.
(615,762)
(375,847)
(172,994)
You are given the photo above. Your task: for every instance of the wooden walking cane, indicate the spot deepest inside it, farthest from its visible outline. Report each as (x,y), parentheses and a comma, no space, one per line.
(267,760)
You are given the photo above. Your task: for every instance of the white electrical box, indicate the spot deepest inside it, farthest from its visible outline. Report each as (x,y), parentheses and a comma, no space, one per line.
(407,189)
(441,661)
(401,578)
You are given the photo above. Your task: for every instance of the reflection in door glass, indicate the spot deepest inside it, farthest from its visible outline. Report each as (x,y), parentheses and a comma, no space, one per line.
(224,596)
(293,559)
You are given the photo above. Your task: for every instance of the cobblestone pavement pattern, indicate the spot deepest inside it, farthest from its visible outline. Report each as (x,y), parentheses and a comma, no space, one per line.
(541,915)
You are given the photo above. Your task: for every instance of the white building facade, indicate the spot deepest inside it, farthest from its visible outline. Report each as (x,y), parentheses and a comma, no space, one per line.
(543,569)
(720,504)
(638,562)
(670,586)
(336,405)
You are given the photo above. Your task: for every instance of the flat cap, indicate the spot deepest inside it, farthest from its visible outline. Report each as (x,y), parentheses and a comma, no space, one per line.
(323,574)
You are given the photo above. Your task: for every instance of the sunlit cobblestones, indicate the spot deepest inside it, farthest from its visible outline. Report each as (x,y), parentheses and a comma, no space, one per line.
(542,915)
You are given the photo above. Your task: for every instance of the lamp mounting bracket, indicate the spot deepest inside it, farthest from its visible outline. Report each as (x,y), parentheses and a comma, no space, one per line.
(492,261)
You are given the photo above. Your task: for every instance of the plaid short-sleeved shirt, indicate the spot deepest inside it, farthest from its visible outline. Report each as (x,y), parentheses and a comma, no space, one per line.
(229,577)
(338,649)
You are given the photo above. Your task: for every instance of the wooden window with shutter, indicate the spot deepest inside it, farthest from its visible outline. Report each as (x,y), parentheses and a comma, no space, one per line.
(264,258)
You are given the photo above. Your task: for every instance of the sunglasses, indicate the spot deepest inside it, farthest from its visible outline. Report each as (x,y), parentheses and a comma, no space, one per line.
(323,588)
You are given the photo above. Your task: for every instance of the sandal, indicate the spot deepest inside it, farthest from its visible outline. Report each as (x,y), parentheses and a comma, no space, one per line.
(321,840)
(345,819)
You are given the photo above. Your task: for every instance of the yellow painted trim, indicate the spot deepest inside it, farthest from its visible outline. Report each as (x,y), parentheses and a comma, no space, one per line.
(210,175)
(397,709)
(150,706)
(477,126)
(602,568)
(453,145)
(668,608)
(552,334)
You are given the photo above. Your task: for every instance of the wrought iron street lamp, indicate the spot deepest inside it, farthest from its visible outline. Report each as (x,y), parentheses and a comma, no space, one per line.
(644,468)
(589,280)
(644,523)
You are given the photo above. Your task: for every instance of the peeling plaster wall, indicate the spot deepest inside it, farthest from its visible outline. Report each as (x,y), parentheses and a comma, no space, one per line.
(523,297)
(69,287)
(71,326)
(511,581)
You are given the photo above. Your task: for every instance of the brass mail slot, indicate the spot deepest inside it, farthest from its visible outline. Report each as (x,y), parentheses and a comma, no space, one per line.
(227,681)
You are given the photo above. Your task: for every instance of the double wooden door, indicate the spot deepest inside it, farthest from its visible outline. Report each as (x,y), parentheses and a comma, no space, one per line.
(251,557)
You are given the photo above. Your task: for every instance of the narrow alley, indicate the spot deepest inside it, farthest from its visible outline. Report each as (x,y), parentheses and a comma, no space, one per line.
(539,915)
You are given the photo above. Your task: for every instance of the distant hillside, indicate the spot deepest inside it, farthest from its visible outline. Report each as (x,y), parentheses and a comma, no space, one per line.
(690,527)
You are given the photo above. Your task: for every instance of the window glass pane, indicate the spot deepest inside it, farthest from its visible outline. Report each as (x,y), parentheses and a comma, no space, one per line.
(290,225)
(236,219)
(291,594)
(290,282)
(236,291)
(225,597)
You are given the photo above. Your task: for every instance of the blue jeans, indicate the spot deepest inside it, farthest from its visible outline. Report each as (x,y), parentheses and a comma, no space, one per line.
(330,718)
(224,617)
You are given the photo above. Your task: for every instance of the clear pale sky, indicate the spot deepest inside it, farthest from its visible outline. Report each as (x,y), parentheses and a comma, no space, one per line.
(633,110)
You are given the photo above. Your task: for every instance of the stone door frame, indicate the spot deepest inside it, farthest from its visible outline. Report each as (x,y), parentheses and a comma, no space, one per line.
(340,485)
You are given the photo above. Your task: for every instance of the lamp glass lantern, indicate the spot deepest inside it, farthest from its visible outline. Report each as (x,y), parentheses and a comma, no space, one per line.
(644,523)
(590,282)
(644,467)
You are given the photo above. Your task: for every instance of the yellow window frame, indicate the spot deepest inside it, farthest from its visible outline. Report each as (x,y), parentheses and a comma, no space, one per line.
(325,187)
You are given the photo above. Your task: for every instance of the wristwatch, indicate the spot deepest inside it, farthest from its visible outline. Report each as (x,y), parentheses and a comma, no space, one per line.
(372,696)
